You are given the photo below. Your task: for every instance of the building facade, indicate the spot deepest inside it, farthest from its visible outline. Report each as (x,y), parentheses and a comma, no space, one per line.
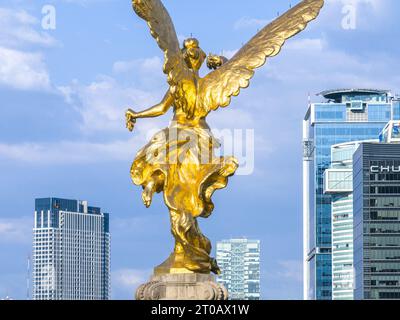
(338,182)
(71,251)
(346,115)
(377,218)
(239,260)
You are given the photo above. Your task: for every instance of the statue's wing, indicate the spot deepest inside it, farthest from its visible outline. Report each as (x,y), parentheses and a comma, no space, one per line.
(162,29)
(217,88)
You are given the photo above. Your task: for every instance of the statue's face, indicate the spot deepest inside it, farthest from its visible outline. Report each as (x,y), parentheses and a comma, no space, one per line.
(194,56)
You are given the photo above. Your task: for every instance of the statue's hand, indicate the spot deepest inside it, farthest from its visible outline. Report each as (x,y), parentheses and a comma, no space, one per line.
(131,117)
(214,61)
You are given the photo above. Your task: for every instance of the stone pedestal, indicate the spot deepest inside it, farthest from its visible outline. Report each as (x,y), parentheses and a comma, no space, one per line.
(182,286)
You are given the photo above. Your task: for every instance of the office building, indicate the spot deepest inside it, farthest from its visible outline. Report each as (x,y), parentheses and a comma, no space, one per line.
(71,251)
(346,115)
(338,182)
(239,260)
(377,217)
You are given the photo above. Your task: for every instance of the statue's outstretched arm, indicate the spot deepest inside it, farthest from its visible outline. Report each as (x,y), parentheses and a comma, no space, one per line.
(155,111)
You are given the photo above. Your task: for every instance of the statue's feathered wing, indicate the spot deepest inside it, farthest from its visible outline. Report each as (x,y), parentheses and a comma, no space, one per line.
(162,29)
(217,88)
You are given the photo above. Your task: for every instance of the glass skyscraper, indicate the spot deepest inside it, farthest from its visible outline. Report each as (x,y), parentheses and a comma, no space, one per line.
(377,217)
(71,251)
(239,260)
(338,182)
(346,115)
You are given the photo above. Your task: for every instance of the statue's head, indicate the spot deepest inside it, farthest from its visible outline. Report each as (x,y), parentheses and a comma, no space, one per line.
(192,53)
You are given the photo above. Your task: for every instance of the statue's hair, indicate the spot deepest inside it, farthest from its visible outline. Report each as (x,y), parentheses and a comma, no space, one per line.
(191,43)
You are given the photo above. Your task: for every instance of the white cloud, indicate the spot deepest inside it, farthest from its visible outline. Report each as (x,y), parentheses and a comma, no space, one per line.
(13,282)
(374,3)
(102,104)
(321,66)
(18,230)
(19,68)
(370,15)
(149,65)
(130,278)
(23,70)
(126,281)
(68,152)
(19,28)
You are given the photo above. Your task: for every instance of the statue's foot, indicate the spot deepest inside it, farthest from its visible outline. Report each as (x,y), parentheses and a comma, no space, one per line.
(179,263)
(147,195)
(214,266)
(174,264)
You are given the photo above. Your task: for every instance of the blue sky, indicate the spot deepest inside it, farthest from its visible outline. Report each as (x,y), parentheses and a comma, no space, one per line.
(63,96)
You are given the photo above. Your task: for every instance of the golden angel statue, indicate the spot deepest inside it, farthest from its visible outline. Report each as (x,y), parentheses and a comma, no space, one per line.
(179,160)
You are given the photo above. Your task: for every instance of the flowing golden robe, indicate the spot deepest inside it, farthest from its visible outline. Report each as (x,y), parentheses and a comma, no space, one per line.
(180,160)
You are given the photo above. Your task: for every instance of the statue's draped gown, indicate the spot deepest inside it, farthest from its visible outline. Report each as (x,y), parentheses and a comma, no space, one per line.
(180,160)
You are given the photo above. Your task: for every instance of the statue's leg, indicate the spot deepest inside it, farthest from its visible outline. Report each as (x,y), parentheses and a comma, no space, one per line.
(205,243)
(191,245)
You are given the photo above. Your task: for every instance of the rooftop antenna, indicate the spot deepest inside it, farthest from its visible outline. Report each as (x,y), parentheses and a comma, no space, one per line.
(309,98)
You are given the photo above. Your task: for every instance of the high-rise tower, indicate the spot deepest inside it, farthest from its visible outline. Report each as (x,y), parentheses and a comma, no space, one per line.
(239,260)
(346,115)
(71,251)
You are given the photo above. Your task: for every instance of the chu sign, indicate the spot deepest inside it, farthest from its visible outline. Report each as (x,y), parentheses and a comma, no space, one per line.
(385,169)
